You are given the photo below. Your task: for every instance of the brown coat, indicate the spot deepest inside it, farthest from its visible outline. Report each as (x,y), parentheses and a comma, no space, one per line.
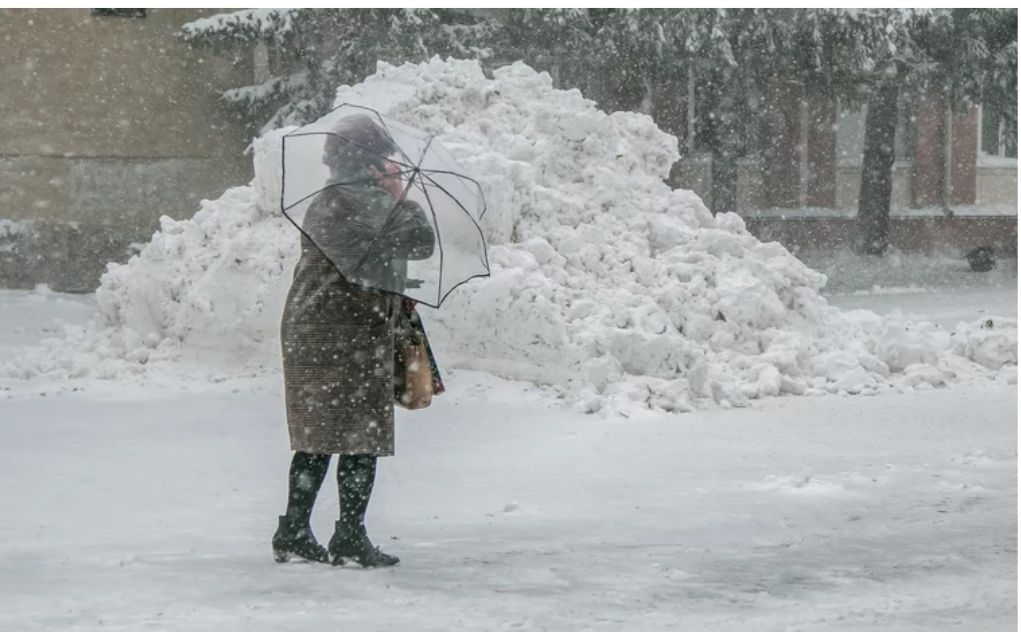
(338,343)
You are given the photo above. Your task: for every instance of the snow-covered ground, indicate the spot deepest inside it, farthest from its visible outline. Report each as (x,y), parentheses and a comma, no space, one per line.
(29,316)
(941,289)
(131,508)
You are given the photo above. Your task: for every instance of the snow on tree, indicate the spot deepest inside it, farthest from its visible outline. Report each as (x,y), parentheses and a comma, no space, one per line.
(312,51)
(741,60)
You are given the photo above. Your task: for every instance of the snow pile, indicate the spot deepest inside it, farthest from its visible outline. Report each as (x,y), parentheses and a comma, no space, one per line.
(606,284)
(11,231)
(211,285)
(989,342)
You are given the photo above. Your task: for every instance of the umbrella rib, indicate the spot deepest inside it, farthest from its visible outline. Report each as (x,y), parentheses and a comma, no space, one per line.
(283,175)
(439,239)
(459,175)
(376,237)
(459,284)
(485,249)
(454,173)
(358,145)
(382,120)
(367,109)
(439,186)
(425,150)
(329,185)
(386,128)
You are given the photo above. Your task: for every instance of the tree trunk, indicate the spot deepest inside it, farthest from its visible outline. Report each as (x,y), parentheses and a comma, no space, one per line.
(727,142)
(873,236)
(623,89)
(724,192)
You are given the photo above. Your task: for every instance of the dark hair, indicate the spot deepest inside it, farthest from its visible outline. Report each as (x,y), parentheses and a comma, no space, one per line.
(357,142)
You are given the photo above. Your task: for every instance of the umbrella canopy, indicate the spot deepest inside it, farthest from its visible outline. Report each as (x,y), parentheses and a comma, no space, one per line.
(387,204)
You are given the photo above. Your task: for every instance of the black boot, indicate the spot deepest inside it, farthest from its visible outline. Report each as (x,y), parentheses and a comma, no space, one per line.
(353,545)
(294,537)
(355,477)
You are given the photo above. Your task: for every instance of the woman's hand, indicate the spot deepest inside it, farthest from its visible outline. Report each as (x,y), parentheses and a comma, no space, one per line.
(389,179)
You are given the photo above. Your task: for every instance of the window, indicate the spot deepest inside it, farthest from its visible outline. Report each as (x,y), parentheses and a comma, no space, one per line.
(997,138)
(850,132)
(904,133)
(119,13)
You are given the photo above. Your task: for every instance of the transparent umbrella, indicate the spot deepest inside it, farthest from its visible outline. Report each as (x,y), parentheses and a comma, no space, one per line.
(385,203)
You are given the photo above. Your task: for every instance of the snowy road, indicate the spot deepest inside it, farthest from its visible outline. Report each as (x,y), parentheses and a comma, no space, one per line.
(943,308)
(126,510)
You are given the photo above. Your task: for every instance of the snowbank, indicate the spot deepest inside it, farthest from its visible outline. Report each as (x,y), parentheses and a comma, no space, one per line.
(607,285)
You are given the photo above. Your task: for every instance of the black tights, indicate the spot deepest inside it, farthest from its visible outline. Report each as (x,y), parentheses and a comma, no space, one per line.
(356,474)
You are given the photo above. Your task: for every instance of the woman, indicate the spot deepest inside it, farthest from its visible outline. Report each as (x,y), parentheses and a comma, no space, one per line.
(338,337)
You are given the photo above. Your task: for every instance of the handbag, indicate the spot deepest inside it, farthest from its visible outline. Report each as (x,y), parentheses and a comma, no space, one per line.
(416,378)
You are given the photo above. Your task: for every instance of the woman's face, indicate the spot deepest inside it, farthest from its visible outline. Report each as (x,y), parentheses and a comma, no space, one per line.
(389,178)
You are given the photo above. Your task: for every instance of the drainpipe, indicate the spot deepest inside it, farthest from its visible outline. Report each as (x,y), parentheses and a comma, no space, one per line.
(948,165)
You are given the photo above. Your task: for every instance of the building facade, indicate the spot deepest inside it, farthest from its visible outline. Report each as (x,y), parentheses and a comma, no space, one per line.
(944,160)
(804,150)
(107,122)
(954,177)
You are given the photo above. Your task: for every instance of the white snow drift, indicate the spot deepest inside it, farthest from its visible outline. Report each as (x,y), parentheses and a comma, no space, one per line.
(606,284)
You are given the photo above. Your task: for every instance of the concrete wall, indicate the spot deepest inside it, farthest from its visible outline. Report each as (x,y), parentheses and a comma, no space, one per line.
(924,235)
(849,184)
(697,174)
(996,186)
(106,123)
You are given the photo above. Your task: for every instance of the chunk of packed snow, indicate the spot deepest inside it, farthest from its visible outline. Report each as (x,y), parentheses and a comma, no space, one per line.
(607,285)
(991,342)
